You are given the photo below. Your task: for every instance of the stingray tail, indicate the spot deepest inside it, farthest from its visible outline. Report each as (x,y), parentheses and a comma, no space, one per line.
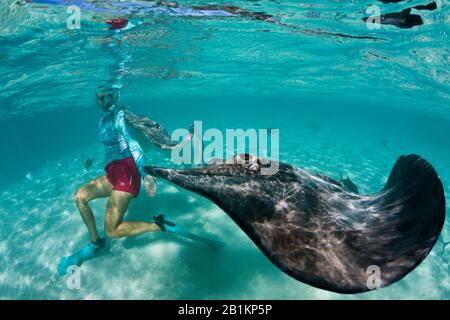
(415,195)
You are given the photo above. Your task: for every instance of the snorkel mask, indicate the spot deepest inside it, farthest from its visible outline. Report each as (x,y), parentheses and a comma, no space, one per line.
(106,99)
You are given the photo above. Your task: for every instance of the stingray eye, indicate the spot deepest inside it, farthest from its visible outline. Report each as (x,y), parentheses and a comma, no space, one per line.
(253,166)
(249,162)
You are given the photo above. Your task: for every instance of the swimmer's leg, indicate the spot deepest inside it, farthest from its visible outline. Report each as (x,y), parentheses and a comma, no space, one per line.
(97,188)
(115,227)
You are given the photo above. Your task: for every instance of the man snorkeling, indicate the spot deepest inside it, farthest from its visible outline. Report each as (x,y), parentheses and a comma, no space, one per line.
(124,170)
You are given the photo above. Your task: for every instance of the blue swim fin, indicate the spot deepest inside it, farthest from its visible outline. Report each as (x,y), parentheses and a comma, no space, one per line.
(76,259)
(171,227)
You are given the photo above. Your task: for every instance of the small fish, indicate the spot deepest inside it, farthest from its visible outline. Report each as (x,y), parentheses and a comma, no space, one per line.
(29,176)
(88,164)
(384,143)
(349,185)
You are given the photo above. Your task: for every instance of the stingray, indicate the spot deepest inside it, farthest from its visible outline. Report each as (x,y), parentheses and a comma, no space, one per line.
(349,185)
(314,230)
(151,133)
(88,164)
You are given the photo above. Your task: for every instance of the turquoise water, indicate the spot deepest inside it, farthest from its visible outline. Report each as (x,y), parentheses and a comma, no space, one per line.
(341,104)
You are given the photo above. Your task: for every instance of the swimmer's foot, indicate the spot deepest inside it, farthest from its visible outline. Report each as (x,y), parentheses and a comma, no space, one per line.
(76,259)
(165,225)
(99,244)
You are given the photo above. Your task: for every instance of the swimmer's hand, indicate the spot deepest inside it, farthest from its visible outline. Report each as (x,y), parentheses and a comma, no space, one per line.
(150,185)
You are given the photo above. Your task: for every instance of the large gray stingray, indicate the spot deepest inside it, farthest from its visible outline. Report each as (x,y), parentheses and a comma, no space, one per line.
(310,227)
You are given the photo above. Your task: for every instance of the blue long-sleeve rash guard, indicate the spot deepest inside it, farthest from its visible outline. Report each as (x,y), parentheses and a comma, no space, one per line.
(118,142)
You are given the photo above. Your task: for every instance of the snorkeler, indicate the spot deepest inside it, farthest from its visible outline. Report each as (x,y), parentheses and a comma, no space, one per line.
(122,180)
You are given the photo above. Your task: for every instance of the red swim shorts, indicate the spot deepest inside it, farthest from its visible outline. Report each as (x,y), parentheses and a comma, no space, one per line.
(124,175)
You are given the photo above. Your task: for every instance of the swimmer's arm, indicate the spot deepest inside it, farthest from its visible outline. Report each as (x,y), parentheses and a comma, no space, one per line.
(136,150)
